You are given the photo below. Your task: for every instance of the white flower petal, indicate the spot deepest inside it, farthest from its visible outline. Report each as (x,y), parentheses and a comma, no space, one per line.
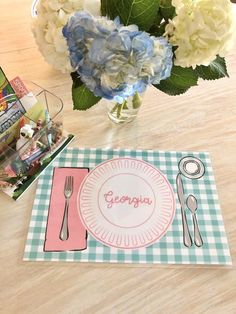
(201,31)
(47,28)
(93,6)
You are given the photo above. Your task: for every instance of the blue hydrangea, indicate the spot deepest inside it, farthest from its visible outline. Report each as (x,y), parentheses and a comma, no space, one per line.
(116,61)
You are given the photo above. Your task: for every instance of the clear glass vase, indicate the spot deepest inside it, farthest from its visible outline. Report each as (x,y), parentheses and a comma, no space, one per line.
(125,112)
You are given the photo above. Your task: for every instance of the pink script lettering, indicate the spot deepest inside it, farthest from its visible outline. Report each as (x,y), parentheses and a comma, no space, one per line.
(133,201)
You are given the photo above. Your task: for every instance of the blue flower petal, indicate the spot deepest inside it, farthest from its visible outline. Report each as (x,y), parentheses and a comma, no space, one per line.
(116,61)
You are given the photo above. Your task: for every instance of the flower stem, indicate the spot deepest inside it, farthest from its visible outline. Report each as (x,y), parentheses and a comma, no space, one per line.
(137,102)
(114,108)
(119,110)
(121,107)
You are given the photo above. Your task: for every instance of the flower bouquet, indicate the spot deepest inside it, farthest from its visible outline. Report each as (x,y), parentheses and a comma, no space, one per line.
(115,49)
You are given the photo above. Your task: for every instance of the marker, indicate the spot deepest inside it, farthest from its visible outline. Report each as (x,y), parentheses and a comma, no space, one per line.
(49,125)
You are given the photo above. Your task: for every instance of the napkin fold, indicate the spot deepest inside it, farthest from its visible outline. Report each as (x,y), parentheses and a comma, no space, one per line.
(77,233)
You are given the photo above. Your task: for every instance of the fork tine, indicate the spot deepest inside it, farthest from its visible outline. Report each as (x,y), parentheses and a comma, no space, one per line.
(69,184)
(68,187)
(72,183)
(66,184)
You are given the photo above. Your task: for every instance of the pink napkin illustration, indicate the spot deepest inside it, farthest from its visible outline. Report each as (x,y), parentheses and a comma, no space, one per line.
(77,239)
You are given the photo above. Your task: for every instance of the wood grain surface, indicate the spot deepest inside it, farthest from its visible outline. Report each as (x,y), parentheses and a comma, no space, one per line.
(204,119)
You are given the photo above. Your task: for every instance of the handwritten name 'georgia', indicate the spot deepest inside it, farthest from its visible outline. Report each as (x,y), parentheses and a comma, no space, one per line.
(133,201)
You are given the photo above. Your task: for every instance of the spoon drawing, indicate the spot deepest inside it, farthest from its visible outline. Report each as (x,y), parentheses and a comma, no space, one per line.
(192,205)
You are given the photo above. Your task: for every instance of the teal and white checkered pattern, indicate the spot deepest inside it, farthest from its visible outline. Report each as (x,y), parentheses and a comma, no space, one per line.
(170,249)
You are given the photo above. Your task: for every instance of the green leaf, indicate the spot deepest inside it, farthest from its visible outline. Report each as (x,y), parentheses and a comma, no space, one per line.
(158,30)
(83,98)
(108,10)
(158,19)
(139,12)
(76,79)
(216,70)
(179,82)
(167,10)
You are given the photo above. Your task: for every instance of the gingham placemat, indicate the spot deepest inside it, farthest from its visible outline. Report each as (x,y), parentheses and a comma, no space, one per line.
(170,249)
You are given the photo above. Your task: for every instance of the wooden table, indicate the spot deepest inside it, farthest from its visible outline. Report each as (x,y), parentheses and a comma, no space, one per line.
(202,119)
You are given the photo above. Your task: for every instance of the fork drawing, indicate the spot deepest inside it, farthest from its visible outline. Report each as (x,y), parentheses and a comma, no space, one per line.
(68,191)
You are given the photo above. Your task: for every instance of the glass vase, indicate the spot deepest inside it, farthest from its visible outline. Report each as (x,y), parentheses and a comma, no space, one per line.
(125,112)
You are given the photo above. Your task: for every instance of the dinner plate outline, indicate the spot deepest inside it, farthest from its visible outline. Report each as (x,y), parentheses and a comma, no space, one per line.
(158,233)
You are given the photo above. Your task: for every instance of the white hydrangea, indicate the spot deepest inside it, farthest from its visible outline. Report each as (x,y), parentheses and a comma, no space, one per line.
(52,15)
(201,30)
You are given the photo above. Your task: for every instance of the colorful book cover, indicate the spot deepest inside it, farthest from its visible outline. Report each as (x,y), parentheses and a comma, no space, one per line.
(11,109)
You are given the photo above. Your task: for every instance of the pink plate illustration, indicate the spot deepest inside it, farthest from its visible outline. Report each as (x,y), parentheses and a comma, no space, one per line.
(126,203)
